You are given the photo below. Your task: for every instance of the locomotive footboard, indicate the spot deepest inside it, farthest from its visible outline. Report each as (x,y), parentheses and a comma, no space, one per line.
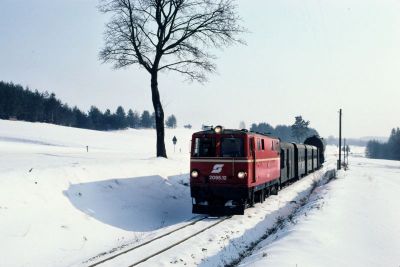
(219,200)
(218,210)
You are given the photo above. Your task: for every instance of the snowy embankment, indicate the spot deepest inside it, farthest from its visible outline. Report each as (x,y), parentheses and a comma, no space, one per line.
(60,204)
(352,221)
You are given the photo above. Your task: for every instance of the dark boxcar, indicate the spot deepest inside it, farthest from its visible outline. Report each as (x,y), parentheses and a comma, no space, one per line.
(319,143)
(299,160)
(288,171)
(309,159)
(314,158)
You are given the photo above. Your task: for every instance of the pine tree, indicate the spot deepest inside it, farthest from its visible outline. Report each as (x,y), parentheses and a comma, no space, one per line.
(81,119)
(394,144)
(153,120)
(130,119)
(121,121)
(171,121)
(136,117)
(145,120)
(51,106)
(108,121)
(300,128)
(96,117)
(284,132)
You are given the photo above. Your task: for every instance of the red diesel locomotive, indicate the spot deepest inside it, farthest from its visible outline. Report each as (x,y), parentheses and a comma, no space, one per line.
(233,169)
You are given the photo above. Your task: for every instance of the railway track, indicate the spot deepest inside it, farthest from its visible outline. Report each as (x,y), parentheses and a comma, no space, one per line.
(156,246)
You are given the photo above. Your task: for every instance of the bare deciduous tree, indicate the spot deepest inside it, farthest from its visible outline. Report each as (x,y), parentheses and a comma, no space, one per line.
(172,35)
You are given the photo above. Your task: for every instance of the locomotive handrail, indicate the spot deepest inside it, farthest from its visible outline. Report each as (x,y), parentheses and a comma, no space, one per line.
(233,166)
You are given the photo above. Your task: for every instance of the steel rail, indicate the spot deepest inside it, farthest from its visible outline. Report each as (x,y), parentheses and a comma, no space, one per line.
(178,242)
(146,243)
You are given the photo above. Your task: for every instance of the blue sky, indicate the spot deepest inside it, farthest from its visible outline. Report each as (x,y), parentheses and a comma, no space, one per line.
(305,58)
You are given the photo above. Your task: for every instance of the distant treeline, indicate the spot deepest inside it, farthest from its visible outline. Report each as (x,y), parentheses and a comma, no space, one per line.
(23,104)
(388,150)
(284,132)
(349,141)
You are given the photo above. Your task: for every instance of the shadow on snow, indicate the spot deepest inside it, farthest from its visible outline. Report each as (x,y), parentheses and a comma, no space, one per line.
(137,204)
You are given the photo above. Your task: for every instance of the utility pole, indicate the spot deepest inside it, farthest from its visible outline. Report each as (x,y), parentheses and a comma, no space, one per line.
(344,153)
(340,140)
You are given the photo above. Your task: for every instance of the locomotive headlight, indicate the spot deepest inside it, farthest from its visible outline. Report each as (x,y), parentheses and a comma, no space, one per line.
(218,129)
(241,175)
(194,174)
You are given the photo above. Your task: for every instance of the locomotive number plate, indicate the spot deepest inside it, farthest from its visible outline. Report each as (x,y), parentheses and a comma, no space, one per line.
(217,178)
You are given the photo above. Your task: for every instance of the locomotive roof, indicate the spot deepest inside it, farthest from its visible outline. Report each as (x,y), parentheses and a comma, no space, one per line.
(235,131)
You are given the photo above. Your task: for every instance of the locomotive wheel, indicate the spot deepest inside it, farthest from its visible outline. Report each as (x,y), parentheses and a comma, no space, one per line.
(262,195)
(252,199)
(267,192)
(259,196)
(274,190)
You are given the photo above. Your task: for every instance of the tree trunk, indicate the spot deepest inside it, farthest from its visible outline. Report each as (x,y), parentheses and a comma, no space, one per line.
(159,114)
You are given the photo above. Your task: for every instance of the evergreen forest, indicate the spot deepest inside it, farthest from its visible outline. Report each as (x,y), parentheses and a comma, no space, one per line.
(17,103)
(385,150)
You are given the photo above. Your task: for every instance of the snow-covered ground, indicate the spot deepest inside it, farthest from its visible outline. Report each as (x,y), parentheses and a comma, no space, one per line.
(352,221)
(63,206)
(60,205)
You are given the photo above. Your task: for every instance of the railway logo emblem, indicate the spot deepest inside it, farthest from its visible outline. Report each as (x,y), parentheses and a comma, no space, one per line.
(217,168)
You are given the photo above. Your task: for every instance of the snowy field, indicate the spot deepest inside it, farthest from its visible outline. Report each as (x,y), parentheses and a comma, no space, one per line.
(60,205)
(352,221)
(63,206)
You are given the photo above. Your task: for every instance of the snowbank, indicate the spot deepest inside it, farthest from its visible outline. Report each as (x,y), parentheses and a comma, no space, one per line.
(352,221)
(60,205)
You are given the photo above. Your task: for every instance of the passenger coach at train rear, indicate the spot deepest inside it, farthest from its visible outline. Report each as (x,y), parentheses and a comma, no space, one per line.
(319,143)
(232,168)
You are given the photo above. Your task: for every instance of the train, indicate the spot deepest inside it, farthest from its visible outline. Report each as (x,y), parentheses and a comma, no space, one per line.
(232,169)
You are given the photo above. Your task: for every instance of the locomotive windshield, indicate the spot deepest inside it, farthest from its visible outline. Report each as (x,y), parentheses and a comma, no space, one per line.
(227,147)
(204,147)
(232,147)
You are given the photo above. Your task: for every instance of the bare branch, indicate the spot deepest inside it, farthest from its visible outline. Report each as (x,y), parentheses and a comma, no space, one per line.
(169,34)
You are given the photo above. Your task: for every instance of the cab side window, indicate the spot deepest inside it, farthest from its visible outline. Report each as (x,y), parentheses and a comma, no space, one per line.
(251,144)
